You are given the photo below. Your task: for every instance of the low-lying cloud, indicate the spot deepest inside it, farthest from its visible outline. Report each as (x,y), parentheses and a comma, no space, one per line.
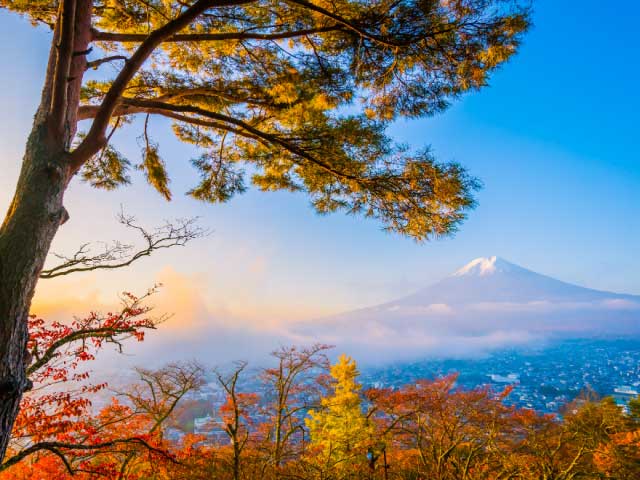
(201,326)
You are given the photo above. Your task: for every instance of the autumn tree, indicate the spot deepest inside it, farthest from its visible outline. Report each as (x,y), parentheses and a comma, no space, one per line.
(428,429)
(443,432)
(565,448)
(236,415)
(339,428)
(299,91)
(55,416)
(292,391)
(620,457)
(124,440)
(156,397)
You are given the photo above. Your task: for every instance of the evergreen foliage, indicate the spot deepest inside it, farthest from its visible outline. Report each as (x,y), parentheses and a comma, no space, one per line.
(297,95)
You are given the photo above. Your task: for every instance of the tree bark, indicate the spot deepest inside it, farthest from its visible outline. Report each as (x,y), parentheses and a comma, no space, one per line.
(37,210)
(25,238)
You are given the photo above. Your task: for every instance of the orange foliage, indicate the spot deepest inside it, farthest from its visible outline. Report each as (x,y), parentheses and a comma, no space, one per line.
(431,429)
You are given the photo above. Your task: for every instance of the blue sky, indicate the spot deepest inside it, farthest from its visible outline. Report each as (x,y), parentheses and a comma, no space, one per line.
(553,139)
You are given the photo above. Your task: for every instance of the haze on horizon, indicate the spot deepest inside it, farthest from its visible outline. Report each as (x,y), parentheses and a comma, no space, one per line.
(559,196)
(487,305)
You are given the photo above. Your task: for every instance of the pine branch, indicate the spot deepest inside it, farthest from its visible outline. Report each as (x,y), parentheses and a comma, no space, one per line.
(95,138)
(96,63)
(245,130)
(213,37)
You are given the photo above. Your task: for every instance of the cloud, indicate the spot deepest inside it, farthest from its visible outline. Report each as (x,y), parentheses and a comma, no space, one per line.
(545,306)
(382,344)
(216,320)
(431,309)
(198,326)
(534,306)
(259,265)
(621,304)
(62,300)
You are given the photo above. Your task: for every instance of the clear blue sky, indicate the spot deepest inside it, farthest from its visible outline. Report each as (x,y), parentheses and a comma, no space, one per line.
(554,139)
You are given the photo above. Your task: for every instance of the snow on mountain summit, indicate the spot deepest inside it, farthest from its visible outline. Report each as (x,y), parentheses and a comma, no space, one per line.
(495,280)
(485,266)
(489,303)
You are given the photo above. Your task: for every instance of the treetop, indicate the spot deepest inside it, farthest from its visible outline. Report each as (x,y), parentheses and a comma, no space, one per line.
(291,95)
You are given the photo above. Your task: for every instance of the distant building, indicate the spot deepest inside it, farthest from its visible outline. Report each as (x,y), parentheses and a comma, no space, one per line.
(623,394)
(626,390)
(509,378)
(202,425)
(174,435)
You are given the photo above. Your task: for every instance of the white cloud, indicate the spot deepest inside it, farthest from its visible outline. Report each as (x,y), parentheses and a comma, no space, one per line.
(431,309)
(621,304)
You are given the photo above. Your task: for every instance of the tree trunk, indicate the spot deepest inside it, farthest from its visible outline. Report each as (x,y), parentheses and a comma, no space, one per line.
(25,238)
(37,211)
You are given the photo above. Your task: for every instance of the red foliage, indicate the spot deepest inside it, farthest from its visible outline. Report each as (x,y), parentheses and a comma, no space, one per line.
(58,408)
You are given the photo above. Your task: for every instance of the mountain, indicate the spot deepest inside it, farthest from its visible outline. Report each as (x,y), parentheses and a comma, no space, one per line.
(493,279)
(486,304)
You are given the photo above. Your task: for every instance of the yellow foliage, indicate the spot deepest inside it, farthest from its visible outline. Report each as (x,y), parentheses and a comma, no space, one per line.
(340,428)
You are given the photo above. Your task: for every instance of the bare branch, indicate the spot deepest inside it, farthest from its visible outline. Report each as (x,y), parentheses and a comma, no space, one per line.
(172,383)
(159,393)
(118,255)
(60,448)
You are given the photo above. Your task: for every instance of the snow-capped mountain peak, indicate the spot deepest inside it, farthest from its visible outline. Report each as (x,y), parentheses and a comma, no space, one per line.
(485,266)
(489,303)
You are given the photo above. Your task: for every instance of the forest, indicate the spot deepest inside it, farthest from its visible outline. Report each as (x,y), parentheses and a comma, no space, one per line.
(312,420)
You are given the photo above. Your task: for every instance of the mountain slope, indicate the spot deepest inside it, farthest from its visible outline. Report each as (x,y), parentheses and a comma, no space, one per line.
(488,303)
(494,279)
